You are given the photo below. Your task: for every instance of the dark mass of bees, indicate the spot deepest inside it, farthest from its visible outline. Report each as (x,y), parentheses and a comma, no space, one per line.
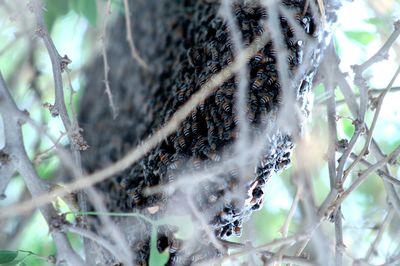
(194,44)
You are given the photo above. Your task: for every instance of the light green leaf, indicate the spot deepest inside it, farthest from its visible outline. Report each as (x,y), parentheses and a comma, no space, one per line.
(15,263)
(7,256)
(348,128)
(362,37)
(376,22)
(156,258)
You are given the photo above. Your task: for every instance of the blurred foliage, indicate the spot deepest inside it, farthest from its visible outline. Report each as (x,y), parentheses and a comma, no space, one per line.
(357,38)
(362,37)
(58,8)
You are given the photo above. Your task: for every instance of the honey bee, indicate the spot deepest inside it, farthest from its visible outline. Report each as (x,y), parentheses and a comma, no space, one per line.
(259,58)
(227,124)
(270,80)
(237,230)
(229,44)
(257,84)
(229,91)
(220,132)
(229,59)
(181,96)
(194,57)
(259,30)
(265,98)
(182,142)
(212,66)
(175,245)
(253,99)
(176,259)
(202,81)
(136,197)
(269,51)
(186,130)
(196,163)
(172,138)
(201,107)
(219,97)
(214,54)
(298,17)
(201,144)
(194,115)
(237,10)
(290,43)
(194,127)
(225,106)
(251,115)
(164,158)
(172,165)
(263,13)
(213,156)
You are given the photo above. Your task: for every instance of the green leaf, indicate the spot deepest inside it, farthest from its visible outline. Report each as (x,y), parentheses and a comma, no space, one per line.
(348,128)
(362,37)
(15,263)
(156,258)
(7,256)
(54,10)
(88,8)
(376,22)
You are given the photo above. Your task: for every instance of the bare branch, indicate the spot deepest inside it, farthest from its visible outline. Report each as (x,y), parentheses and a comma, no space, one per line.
(105,61)
(19,160)
(382,52)
(382,228)
(129,38)
(375,119)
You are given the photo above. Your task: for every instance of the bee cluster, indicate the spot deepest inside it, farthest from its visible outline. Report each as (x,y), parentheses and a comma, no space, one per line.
(193,43)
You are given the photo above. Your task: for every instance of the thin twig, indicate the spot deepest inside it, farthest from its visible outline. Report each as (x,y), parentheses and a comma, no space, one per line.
(360,179)
(371,91)
(335,180)
(382,228)
(107,13)
(204,225)
(364,151)
(284,230)
(114,251)
(129,38)
(15,147)
(382,52)
(291,240)
(383,174)
(296,260)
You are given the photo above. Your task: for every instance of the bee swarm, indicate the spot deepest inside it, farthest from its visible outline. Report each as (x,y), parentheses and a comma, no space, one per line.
(185,42)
